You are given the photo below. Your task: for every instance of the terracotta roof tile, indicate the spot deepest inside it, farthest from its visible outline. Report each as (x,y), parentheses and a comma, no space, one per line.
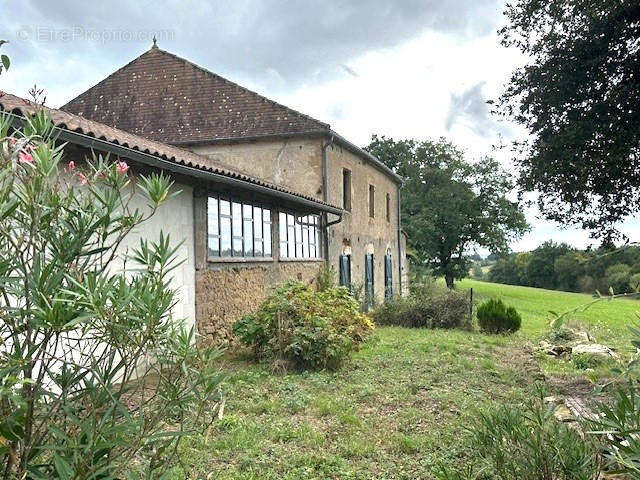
(78,124)
(164,97)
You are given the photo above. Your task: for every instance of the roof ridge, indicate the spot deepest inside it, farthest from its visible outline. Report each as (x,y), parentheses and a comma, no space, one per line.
(237,85)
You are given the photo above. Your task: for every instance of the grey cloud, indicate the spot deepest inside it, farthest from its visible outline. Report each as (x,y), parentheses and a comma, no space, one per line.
(297,42)
(349,70)
(471,108)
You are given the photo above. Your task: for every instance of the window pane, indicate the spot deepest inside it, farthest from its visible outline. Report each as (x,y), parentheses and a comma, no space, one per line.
(291,240)
(305,237)
(266,215)
(247,211)
(282,227)
(267,239)
(214,246)
(225,207)
(237,246)
(248,238)
(212,216)
(298,240)
(225,237)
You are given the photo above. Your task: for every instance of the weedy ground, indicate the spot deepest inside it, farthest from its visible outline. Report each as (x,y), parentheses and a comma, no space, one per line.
(401,408)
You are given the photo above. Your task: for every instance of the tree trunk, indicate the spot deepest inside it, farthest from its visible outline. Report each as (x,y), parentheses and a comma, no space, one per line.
(449,279)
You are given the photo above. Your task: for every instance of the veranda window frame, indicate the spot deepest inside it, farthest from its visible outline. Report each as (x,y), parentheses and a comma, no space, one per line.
(240,238)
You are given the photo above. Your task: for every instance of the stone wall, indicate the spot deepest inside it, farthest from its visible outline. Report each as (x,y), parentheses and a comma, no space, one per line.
(225,293)
(358,233)
(295,163)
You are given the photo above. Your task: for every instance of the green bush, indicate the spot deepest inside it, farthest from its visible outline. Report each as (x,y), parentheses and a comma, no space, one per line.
(426,308)
(495,317)
(529,443)
(303,328)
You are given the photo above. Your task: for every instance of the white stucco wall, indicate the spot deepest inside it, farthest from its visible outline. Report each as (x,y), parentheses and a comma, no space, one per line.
(173,218)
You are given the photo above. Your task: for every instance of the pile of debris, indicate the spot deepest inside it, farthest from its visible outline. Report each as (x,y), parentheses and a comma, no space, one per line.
(575,342)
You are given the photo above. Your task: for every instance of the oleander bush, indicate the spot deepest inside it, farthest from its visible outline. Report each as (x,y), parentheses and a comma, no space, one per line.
(299,327)
(97,378)
(527,442)
(496,317)
(426,307)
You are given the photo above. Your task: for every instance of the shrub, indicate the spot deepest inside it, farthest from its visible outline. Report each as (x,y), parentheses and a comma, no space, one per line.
(529,443)
(426,308)
(305,328)
(495,317)
(326,277)
(78,396)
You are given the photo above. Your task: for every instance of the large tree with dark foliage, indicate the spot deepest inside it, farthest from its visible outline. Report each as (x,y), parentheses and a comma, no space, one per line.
(579,97)
(450,205)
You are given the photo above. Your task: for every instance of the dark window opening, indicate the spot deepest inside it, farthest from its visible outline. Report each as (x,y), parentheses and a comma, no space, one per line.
(388,212)
(372,199)
(388,277)
(345,271)
(369,294)
(346,189)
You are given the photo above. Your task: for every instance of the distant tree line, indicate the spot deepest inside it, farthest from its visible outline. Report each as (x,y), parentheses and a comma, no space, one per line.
(558,266)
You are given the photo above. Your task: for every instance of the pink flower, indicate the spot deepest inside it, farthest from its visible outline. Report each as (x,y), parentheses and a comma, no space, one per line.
(25,157)
(13,141)
(122,167)
(71,166)
(82,178)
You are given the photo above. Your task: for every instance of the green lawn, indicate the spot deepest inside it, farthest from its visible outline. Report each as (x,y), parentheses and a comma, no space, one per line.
(399,409)
(607,320)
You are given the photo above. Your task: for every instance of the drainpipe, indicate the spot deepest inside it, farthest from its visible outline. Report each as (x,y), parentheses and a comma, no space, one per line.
(399,246)
(325,196)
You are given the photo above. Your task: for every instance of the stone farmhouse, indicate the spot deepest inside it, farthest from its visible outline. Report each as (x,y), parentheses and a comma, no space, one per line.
(266,193)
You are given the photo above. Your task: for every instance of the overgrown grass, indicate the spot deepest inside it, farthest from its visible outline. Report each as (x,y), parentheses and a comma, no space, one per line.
(400,408)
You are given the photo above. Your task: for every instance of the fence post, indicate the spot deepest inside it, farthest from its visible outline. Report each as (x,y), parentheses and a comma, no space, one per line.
(471,304)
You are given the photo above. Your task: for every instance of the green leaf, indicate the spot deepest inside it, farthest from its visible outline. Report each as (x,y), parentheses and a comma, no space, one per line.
(64,470)
(5,61)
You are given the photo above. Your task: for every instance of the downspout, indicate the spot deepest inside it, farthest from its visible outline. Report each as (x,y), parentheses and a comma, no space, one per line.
(325,195)
(399,246)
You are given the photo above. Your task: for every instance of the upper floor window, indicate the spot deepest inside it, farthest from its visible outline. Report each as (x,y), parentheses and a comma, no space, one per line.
(372,201)
(299,236)
(237,229)
(346,189)
(388,209)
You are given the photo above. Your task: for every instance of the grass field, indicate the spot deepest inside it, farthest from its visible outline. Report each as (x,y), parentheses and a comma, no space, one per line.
(400,409)
(607,320)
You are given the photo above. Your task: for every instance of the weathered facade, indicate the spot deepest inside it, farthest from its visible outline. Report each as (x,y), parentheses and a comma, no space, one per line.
(294,194)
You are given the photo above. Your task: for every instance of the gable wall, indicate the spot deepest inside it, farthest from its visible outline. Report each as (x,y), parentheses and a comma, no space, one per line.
(293,163)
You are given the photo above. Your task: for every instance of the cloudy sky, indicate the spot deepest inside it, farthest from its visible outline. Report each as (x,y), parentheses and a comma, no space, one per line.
(403,68)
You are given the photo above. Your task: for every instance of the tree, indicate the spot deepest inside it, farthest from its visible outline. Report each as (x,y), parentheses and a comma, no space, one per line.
(568,269)
(97,380)
(541,267)
(578,97)
(449,205)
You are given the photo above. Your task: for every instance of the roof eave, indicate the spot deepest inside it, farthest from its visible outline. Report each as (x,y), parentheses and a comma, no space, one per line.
(150,160)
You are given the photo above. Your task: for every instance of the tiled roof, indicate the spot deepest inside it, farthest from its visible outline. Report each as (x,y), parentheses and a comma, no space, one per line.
(167,98)
(74,123)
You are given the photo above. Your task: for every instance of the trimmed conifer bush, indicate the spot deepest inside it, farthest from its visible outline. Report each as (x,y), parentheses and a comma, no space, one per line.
(496,317)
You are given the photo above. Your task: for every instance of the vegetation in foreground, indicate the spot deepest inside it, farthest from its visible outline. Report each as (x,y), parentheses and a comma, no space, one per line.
(399,410)
(402,407)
